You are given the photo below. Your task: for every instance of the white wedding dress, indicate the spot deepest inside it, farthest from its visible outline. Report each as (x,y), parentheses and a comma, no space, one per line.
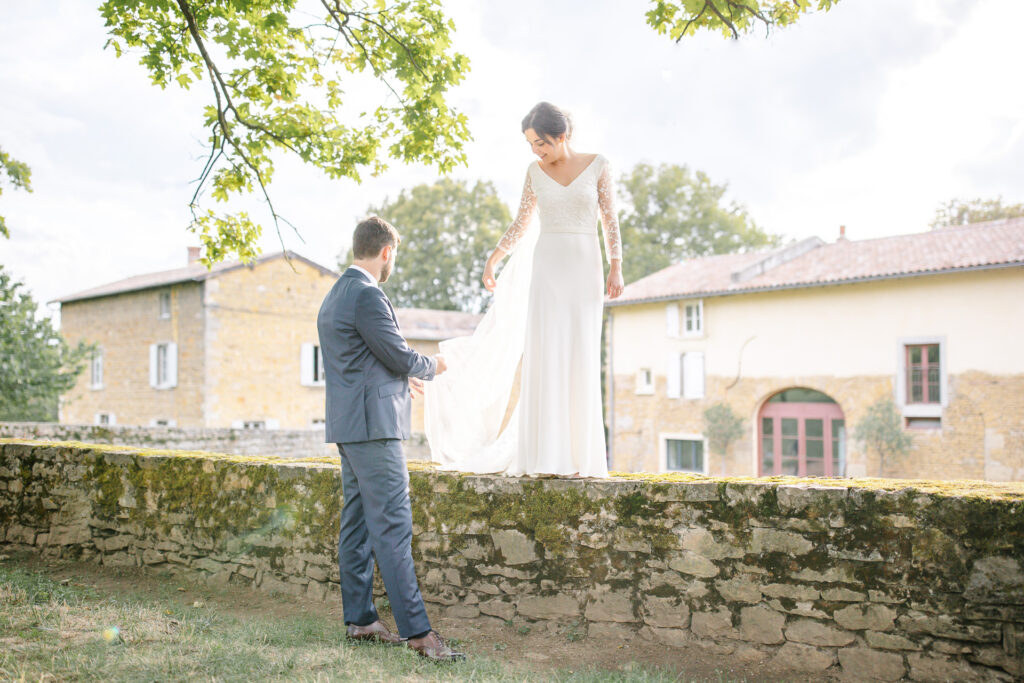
(545,318)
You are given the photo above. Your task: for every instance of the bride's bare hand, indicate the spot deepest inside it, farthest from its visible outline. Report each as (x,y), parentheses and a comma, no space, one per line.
(489,282)
(615,283)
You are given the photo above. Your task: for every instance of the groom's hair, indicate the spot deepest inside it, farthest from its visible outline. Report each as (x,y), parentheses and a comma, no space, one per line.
(372,235)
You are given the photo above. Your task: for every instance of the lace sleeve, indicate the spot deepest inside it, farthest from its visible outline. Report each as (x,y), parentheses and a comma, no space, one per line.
(527,205)
(609,218)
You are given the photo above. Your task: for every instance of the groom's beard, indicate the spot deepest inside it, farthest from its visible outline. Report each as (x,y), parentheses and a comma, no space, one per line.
(385,272)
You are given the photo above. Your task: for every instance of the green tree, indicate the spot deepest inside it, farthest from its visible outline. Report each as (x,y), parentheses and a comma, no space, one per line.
(36,364)
(722,426)
(966,211)
(670,213)
(18,175)
(679,18)
(282,76)
(881,430)
(448,229)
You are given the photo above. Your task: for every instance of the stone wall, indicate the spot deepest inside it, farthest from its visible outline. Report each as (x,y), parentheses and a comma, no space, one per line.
(871,579)
(286,443)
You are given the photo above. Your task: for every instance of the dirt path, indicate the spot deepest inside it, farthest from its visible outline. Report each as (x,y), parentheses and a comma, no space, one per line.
(530,646)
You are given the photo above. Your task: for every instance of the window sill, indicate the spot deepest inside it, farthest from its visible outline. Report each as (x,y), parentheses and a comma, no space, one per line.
(645,391)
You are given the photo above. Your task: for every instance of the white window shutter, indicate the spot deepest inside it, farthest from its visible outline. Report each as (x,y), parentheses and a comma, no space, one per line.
(172,365)
(693,375)
(152,365)
(306,378)
(272,424)
(672,376)
(672,319)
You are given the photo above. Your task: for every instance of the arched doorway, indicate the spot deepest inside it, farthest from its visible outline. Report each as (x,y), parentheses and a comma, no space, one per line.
(801,432)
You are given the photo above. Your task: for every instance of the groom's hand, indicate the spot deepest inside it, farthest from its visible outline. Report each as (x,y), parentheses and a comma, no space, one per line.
(441,365)
(415,387)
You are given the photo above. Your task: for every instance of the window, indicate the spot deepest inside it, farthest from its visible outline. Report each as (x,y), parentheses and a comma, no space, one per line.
(254,424)
(162,422)
(693,319)
(165,305)
(163,365)
(105,419)
(686,375)
(922,388)
(96,370)
(684,453)
(311,366)
(923,373)
(644,381)
(317,423)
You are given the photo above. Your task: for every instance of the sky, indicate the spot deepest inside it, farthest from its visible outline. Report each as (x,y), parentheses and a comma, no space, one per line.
(867,116)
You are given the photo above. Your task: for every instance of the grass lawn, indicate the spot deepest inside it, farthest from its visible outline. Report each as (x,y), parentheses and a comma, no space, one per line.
(166,629)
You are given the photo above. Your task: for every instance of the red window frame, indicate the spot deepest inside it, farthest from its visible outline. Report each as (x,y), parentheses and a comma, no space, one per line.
(826,412)
(924,368)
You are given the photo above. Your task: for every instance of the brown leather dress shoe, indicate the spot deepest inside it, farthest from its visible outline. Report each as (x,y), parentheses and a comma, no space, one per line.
(374,633)
(433,647)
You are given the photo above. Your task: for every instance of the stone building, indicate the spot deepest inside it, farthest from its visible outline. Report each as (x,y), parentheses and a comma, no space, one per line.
(231,347)
(800,341)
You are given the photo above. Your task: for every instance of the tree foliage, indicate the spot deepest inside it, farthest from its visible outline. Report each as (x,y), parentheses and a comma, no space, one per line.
(282,77)
(679,18)
(722,426)
(966,211)
(36,364)
(19,175)
(669,213)
(881,430)
(448,229)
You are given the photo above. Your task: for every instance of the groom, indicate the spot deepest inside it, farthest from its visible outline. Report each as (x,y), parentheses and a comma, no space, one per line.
(369,369)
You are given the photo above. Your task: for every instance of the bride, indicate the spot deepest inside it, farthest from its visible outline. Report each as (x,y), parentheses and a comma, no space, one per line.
(544,326)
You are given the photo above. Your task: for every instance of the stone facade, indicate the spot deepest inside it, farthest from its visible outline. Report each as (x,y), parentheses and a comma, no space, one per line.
(846,342)
(239,333)
(871,579)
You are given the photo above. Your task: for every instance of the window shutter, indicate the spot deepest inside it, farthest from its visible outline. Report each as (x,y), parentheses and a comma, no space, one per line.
(152,366)
(673,376)
(272,424)
(306,378)
(172,365)
(693,375)
(672,319)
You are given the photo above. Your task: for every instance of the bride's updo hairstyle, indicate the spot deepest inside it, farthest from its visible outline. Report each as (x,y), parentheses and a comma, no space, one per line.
(548,121)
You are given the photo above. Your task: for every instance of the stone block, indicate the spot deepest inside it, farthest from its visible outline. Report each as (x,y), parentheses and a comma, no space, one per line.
(153,556)
(70,535)
(317,573)
(843,595)
(699,492)
(548,607)
(946,626)
(774,541)
(670,613)
(463,611)
(515,546)
(498,608)
(996,581)
(17,533)
(864,664)
(703,543)
(112,543)
(693,564)
(834,574)
(604,630)
(120,559)
(813,632)
(803,658)
(791,591)
(861,617)
(940,669)
(607,605)
(889,641)
(761,624)
(795,498)
(717,624)
(739,589)
(627,539)
(673,637)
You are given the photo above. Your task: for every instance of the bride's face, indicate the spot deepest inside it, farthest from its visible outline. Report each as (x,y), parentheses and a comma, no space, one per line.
(549,150)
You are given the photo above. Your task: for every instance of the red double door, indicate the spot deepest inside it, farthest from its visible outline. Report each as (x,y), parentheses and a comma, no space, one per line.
(802,439)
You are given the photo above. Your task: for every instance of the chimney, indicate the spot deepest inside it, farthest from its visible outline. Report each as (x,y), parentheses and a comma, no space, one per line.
(193,254)
(842,234)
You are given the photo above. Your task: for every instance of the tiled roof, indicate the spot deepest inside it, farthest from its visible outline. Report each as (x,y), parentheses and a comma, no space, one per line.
(195,273)
(426,324)
(813,263)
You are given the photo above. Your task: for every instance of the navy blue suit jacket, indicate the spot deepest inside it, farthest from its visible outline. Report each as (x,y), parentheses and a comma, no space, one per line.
(367,363)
